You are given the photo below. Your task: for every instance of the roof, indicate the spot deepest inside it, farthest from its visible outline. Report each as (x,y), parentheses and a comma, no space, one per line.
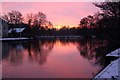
(17,30)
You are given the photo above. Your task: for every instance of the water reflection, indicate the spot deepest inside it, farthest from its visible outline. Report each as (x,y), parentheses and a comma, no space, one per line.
(20,53)
(89,49)
(12,52)
(37,51)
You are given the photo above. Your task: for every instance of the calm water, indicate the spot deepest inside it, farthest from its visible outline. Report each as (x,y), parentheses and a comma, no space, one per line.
(53,58)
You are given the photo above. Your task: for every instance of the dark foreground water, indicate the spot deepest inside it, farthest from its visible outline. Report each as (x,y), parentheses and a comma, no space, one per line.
(53,58)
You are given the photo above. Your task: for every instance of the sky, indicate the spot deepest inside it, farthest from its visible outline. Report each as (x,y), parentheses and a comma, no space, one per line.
(59,13)
(55,0)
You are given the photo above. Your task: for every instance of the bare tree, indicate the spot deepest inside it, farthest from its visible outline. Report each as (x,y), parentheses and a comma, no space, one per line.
(30,18)
(40,19)
(49,24)
(13,17)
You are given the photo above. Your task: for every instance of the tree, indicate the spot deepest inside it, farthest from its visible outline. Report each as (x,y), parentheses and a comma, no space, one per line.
(13,17)
(88,22)
(30,18)
(109,8)
(49,24)
(84,22)
(110,15)
(40,19)
(109,23)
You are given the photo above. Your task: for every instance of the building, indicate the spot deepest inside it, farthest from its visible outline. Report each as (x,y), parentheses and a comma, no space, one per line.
(3,28)
(17,30)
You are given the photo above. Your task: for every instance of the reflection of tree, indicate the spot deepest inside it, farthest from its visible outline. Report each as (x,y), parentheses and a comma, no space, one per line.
(93,50)
(68,41)
(12,52)
(39,50)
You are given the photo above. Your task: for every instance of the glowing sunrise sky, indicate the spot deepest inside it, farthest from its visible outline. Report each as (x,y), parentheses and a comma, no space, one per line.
(59,13)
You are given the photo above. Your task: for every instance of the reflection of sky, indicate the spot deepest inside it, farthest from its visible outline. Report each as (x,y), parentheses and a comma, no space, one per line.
(62,13)
(62,61)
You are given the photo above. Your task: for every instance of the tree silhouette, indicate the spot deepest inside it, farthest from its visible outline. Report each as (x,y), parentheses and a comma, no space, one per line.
(40,19)
(109,8)
(49,24)
(84,22)
(13,17)
(109,23)
(30,18)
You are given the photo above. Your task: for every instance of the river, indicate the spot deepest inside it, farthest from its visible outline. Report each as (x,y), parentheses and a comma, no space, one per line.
(53,58)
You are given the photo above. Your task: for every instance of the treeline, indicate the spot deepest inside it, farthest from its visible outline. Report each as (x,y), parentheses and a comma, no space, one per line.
(105,23)
(101,24)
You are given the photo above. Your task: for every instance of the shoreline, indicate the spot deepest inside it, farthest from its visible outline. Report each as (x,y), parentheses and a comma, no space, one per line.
(12,39)
(112,70)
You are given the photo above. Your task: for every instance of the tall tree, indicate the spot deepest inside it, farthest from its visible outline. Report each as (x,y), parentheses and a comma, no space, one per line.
(30,18)
(109,23)
(13,17)
(40,19)
(109,8)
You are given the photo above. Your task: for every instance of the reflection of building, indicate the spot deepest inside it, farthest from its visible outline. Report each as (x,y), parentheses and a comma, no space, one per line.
(5,49)
(12,52)
(0,51)
(15,52)
(3,28)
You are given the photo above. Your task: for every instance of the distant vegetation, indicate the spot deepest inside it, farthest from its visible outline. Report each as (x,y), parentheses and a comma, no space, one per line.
(102,24)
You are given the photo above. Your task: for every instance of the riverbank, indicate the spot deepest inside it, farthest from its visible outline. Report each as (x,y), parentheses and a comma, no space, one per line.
(12,39)
(112,70)
(44,37)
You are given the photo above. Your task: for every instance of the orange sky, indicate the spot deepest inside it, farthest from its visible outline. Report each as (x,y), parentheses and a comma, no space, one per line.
(59,13)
